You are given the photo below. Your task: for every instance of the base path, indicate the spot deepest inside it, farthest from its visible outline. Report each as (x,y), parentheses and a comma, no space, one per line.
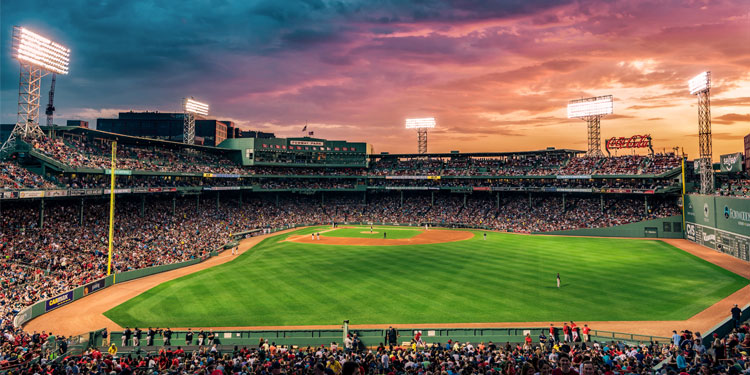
(425,237)
(85,315)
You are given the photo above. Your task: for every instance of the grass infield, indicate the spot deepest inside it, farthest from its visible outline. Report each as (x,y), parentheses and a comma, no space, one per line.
(505,278)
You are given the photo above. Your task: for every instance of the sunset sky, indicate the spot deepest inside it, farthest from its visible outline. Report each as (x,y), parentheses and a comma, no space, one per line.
(497,75)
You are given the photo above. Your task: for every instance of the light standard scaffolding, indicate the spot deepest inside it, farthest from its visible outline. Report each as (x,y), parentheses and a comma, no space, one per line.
(700,85)
(421,124)
(592,110)
(38,57)
(191,108)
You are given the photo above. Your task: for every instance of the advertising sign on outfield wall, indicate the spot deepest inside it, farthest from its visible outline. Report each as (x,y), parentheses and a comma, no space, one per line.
(700,209)
(733,214)
(721,223)
(58,301)
(93,287)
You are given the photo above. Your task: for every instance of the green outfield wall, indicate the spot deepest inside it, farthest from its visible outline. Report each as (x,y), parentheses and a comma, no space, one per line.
(668,227)
(721,223)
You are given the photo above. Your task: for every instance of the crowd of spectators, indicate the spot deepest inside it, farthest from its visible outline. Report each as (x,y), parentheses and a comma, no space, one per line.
(735,188)
(308,183)
(12,176)
(661,163)
(68,248)
(83,153)
(684,354)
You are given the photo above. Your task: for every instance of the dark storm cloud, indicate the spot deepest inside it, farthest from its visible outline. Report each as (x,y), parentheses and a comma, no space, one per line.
(128,52)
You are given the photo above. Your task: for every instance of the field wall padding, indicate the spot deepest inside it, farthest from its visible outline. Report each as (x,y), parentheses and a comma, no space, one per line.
(667,227)
(721,223)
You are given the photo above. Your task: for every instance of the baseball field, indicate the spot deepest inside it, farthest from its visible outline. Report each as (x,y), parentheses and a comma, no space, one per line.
(434,276)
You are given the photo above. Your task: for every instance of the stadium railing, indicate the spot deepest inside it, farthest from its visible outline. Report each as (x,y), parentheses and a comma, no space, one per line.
(370,337)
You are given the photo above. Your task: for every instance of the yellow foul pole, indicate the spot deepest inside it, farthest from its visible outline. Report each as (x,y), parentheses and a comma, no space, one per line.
(683,193)
(112,210)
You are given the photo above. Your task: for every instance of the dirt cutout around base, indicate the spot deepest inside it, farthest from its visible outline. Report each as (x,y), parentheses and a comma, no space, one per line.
(85,315)
(425,237)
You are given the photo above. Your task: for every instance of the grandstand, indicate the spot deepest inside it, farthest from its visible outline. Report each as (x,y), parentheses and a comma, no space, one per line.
(177,203)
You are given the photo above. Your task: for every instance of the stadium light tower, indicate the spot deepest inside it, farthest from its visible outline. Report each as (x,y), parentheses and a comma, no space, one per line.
(38,57)
(592,110)
(701,85)
(192,108)
(421,124)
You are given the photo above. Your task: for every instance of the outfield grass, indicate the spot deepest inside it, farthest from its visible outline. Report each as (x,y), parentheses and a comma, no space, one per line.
(504,278)
(364,232)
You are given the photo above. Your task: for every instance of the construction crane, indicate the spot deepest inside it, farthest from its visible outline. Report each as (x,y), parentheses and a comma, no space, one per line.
(51,106)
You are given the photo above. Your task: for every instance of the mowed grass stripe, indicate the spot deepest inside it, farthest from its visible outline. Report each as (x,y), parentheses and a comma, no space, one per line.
(504,278)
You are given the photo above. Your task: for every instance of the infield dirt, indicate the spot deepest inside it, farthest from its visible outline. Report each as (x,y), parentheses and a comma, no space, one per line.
(425,237)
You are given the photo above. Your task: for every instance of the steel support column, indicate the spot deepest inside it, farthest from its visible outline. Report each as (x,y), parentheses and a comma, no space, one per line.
(705,143)
(41,213)
(27,116)
(188,128)
(594,136)
(422,140)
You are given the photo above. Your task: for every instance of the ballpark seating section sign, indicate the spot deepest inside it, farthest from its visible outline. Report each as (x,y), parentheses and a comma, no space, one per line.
(721,223)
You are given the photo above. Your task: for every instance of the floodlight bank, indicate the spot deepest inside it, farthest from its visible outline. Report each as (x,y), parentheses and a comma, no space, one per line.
(193,106)
(595,106)
(419,123)
(40,51)
(701,82)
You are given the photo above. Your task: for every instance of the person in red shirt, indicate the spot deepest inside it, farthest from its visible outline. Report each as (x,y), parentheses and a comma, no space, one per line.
(564,366)
(574,330)
(418,338)
(566,332)
(586,331)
